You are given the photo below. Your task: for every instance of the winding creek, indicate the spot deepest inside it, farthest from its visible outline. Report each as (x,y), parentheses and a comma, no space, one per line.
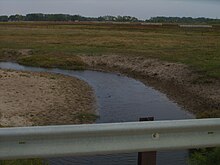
(120,99)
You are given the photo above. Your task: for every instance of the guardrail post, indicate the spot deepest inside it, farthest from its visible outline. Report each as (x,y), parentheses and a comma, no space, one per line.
(147,158)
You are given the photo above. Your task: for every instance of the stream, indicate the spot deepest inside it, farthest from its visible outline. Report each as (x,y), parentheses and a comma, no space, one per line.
(120,99)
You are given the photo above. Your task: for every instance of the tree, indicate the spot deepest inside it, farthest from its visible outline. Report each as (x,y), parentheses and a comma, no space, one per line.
(16,17)
(35,17)
(4,18)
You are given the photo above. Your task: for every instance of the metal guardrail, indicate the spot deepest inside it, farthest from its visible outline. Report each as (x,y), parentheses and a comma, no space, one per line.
(54,141)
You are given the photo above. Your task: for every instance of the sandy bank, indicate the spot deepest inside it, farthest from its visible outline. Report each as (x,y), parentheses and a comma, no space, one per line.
(178,81)
(43,99)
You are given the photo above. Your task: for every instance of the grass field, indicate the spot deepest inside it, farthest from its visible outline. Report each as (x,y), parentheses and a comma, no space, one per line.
(58,44)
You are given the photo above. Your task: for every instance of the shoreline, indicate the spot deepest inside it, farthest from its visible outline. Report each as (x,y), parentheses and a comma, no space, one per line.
(177,81)
(180,83)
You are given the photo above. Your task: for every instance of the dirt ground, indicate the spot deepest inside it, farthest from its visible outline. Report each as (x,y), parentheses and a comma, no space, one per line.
(178,81)
(28,99)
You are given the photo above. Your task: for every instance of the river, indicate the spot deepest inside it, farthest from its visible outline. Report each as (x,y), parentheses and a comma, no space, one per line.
(120,99)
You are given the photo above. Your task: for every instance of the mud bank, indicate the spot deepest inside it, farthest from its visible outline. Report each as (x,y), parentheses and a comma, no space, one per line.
(178,81)
(28,99)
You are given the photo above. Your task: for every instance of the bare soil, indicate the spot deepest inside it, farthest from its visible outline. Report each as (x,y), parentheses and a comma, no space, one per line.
(28,99)
(178,81)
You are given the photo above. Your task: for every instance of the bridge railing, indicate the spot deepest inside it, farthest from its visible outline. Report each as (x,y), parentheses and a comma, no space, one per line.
(56,141)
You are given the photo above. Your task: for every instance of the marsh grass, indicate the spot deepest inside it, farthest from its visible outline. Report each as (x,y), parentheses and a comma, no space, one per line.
(58,44)
(53,61)
(23,162)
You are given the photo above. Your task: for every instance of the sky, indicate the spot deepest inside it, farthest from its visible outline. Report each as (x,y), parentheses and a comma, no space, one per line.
(141,9)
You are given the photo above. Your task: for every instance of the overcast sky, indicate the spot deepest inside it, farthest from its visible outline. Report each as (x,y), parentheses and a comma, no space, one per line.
(138,8)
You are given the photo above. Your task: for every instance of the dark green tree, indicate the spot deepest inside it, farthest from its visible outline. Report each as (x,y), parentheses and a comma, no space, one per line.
(4,18)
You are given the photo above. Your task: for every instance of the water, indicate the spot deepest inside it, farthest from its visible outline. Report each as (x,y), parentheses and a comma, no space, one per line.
(120,99)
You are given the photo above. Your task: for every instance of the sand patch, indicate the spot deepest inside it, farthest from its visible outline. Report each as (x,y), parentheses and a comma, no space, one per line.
(28,99)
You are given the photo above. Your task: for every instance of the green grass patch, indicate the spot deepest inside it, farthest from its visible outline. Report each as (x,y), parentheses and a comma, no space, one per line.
(86,117)
(205,157)
(52,61)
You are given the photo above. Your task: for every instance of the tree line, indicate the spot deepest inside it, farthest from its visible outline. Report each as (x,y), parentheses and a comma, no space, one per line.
(65,17)
(190,20)
(108,18)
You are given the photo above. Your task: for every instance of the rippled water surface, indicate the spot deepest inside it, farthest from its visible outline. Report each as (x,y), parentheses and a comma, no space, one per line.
(120,99)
